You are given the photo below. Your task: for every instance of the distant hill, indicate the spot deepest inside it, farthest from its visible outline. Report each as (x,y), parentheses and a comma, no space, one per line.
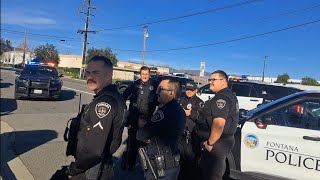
(190,72)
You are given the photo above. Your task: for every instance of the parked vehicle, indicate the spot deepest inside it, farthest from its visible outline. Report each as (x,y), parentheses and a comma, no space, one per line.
(252,94)
(280,140)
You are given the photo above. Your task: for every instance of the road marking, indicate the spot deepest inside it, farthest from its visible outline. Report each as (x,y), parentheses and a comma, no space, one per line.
(77,90)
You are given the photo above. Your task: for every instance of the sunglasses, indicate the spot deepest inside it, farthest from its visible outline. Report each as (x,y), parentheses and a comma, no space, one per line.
(159,89)
(214,79)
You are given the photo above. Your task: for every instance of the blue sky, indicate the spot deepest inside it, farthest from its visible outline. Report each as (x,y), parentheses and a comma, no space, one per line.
(295,51)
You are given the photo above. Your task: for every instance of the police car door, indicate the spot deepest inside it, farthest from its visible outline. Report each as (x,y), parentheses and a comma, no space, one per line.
(289,147)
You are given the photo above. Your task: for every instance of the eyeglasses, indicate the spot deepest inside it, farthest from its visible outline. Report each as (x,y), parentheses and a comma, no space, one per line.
(159,89)
(214,79)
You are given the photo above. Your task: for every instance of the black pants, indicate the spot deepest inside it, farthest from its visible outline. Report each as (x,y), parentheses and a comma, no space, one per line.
(171,174)
(132,148)
(213,164)
(189,169)
(92,173)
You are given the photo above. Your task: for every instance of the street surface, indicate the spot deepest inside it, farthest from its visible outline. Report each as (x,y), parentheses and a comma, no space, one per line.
(39,126)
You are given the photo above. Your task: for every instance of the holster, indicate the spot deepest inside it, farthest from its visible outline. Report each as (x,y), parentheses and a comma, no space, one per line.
(71,134)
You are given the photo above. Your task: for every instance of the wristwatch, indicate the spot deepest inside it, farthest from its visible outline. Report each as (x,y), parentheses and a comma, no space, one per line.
(209,144)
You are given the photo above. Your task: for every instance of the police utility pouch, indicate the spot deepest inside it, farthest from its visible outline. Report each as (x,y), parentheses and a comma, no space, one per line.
(160,165)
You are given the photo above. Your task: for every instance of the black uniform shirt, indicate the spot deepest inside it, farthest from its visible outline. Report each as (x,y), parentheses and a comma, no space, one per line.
(143,98)
(101,129)
(225,105)
(194,103)
(166,125)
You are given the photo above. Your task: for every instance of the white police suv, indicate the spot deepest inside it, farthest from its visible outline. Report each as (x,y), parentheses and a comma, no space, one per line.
(280,140)
(252,94)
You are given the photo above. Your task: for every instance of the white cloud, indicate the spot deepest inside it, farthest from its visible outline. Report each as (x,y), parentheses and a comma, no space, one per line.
(16,17)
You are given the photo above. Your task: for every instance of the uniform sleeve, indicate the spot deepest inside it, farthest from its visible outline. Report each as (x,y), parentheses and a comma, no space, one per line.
(196,110)
(117,130)
(128,91)
(152,128)
(92,141)
(220,106)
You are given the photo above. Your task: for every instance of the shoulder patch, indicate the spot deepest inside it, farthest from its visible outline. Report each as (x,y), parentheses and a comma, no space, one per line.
(157,116)
(102,109)
(220,103)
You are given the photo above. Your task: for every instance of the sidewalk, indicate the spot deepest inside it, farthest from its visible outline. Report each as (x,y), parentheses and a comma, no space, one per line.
(11,166)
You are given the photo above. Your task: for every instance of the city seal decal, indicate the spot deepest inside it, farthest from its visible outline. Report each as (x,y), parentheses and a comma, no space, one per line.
(221,103)
(158,116)
(102,109)
(251,141)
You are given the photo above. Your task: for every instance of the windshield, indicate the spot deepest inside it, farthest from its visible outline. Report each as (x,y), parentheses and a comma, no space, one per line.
(40,70)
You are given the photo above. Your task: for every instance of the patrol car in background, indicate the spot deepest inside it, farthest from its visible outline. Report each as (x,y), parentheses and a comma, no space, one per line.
(38,80)
(280,140)
(251,94)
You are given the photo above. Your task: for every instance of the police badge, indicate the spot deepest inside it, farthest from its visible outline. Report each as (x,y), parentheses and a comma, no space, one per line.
(151,88)
(189,106)
(102,109)
(221,103)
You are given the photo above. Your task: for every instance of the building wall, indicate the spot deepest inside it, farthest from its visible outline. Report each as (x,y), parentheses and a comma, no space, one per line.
(15,57)
(70,61)
(137,66)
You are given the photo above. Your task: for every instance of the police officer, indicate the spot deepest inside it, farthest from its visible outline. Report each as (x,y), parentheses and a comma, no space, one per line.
(143,102)
(164,131)
(223,119)
(101,124)
(192,106)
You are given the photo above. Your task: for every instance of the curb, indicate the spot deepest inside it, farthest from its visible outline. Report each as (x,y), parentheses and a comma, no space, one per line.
(11,165)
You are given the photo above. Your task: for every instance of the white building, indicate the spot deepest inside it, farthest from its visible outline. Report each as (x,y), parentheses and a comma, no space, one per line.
(15,57)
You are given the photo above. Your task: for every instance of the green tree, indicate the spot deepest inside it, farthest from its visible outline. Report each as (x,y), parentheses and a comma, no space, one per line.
(102,52)
(283,78)
(309,81)
(5,46)
(154,68)
(47,53)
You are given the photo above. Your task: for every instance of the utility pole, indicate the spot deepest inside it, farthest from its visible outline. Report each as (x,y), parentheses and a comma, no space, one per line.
(145,36)
(24,49)
(85,32)
(264,67)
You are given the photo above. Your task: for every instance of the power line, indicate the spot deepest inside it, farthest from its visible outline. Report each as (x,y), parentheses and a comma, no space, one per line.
(224,42)
(42,35)
(183,16)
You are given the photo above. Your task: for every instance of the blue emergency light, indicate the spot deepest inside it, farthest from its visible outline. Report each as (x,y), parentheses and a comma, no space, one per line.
(34,62)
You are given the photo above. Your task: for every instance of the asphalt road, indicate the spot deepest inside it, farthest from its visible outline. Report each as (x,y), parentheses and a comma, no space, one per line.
(39,126)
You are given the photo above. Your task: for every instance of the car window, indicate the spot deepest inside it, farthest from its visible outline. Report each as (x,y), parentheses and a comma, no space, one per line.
(253,92)
(303,114)
(206,89)
(40,70)
(241,89)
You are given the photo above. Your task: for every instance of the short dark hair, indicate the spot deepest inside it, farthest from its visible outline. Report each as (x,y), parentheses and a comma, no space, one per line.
(175,86)
(107,62)
(221,74)
(144,68)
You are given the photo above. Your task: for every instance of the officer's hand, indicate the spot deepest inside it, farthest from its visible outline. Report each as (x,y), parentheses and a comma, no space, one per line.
(147,141)
(188,111)
(208,148)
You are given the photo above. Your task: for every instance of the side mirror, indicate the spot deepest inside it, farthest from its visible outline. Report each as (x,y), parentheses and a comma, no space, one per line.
(17,72)
(263,122)
(242,112)
(61,75)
